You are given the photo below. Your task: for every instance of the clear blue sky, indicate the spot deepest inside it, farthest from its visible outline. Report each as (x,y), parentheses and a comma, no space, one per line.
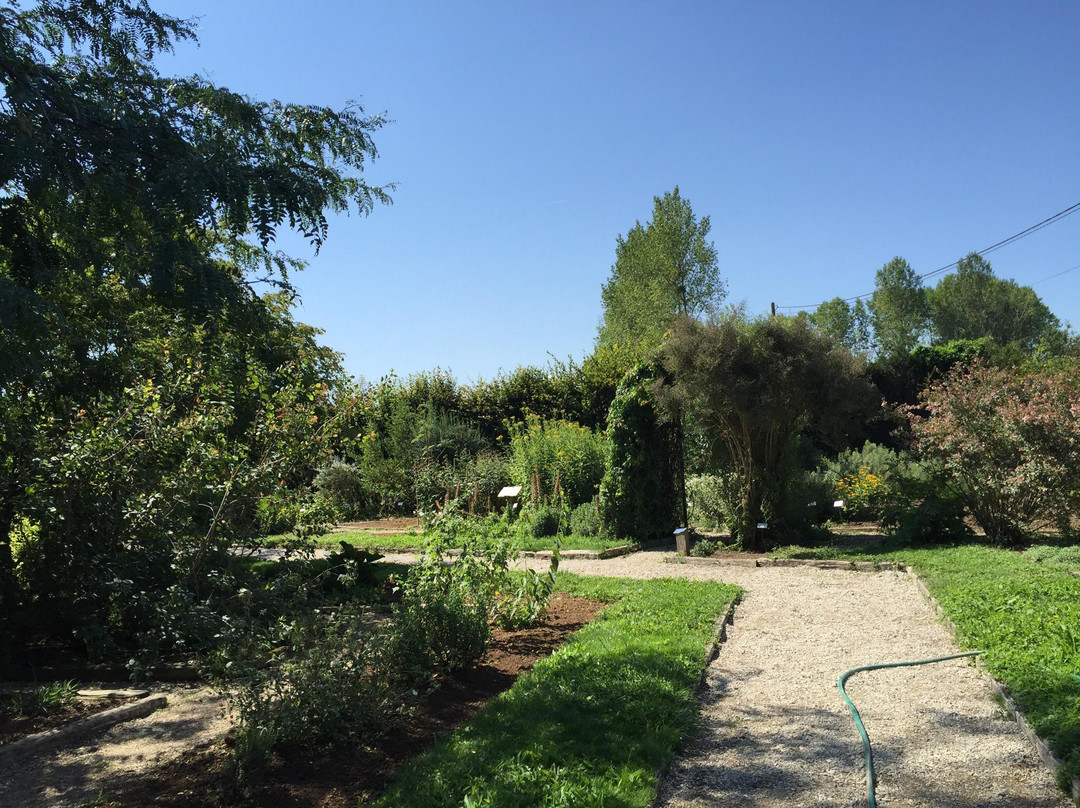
(821,138)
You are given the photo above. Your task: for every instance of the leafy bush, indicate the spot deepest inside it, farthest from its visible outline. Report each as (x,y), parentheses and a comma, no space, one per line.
(1008,446)
(638,492)
(339,484)
(543,521)
(704,548)
(329,688)
(936,518)
(584,520)
(552,457)
(708,500)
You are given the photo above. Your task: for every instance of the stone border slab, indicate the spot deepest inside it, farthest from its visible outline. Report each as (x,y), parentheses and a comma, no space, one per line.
(824,564)
(47,741)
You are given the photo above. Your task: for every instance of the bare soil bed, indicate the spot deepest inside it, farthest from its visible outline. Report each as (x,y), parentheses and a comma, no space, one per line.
(308,778)
(389,526)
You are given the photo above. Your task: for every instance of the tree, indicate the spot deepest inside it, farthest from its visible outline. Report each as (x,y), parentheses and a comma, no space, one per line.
(137,213)
(846,324)
(662,269)
(898,309)
(972,303)
(753,386)
(1007,444)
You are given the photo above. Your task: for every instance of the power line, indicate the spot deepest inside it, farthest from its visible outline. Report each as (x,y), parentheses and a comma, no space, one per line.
(1057,275)
(1057,217)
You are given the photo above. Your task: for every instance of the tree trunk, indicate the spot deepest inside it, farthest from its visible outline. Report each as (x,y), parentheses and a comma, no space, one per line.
(753,540)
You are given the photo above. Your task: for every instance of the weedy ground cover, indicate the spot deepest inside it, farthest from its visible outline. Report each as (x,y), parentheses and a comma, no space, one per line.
(1021,609)
(596,720)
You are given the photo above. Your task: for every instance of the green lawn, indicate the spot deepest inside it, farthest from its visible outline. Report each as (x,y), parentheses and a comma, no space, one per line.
(363,538)
(593,723)
(1023,612)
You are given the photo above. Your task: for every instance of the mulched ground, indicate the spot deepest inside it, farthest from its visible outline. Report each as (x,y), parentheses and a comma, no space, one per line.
(305,778)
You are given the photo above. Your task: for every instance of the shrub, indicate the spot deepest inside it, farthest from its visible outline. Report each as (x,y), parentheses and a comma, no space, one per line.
(708,500)
(704,548)
(328,689)
(547,457)
(936,518)
(338,483)
(1008,446)
(869,479)
(584,520)
(544,521)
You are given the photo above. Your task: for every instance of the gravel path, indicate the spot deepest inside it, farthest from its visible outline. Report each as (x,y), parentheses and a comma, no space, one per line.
(776,732)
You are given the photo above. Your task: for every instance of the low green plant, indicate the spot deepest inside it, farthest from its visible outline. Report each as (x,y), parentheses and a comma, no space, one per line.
(524,599)
(704,548)
(323,685)
(43,699)
(544,521)
(1067,557)
(584,520)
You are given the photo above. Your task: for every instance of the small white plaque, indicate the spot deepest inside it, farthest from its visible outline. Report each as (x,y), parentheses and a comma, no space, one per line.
(510,491)
(762,525)
(838,504)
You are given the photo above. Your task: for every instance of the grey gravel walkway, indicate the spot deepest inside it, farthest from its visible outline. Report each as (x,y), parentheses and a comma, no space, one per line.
(776,732)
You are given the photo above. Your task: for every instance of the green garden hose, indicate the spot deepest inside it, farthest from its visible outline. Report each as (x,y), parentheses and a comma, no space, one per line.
(871,780)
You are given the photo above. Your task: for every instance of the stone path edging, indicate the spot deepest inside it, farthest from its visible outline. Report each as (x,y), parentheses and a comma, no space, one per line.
(822,564)
(47,741)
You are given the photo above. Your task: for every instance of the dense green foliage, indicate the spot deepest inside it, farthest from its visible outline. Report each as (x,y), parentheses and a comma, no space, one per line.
(972,303)
(593,723)
(755,386)
(554,461)
(638,496)
(144,427)
(330,676)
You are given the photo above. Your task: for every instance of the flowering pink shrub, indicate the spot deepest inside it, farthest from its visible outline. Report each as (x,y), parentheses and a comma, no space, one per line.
(1008,444)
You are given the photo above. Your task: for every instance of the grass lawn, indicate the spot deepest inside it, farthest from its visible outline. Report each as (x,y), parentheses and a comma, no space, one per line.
(591,724)
(363,538)
(1023,612)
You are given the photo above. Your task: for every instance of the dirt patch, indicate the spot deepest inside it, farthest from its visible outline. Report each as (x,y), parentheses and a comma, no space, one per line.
(388,526)
(14,727)
(307,778)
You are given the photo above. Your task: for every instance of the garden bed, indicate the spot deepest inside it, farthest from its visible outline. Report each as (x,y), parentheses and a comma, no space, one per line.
(306,777)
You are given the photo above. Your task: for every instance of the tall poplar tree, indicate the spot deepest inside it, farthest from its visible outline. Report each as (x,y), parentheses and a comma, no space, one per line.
(662,269)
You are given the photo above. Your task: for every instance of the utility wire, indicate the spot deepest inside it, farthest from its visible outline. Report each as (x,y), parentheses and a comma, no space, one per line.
(1057,217)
